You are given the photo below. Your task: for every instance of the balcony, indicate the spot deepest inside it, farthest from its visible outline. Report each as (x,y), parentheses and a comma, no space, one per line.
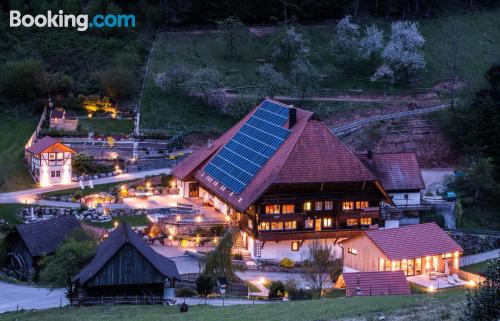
(369,212)
(282,217)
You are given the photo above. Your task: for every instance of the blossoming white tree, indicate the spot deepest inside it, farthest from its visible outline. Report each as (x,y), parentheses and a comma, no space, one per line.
(372,42)
(403,53)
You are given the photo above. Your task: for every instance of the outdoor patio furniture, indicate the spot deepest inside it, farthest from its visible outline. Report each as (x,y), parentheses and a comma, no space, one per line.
(450,280)
(457,279)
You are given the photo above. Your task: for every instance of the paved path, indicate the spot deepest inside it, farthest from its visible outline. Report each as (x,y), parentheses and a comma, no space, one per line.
(481,257)
(27,196)
(263,291)
(14,296)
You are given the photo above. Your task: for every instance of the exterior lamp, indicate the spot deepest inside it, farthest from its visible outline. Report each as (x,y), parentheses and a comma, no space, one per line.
(148,184)
(471,283)
(178,218)
(115,224)
(431,288)
(262,280)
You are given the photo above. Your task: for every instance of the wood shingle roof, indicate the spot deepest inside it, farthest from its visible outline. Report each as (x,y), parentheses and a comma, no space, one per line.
(44,237)
(122,235)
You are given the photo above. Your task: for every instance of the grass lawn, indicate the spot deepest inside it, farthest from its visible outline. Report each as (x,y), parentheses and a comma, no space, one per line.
(477,268)
(8,212)
(134,220)
(106,126)
(479,47)
(435,306)
(15,129)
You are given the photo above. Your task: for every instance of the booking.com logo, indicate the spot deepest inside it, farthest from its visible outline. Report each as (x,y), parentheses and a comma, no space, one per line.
(81,22)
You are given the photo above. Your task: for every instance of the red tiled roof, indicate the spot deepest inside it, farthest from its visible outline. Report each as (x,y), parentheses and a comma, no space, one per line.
(376,283)
(311,153)
(319,156)
(396,172)
(42,145)
(413,241)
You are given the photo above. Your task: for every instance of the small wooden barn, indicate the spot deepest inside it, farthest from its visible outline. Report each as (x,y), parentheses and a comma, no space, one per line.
(30,241)
(125,266)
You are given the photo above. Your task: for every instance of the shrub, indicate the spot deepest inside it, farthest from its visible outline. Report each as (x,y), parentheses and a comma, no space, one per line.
(287,263)
(276,290)
(185,293)
(204,284)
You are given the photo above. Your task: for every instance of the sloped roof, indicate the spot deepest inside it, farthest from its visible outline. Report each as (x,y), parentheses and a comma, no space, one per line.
(396,172)
(46,143)
(44,237)
(413,241)
(311,153)
(114,242)
(376,283)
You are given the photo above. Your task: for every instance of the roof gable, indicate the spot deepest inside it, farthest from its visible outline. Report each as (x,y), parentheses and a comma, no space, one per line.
(123,234)
(319,156)
(48,145)
(413,241)
(44,237)
(376,283)
(397,172)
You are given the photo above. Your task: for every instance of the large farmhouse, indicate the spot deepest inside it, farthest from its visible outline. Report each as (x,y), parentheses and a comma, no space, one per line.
(286,179)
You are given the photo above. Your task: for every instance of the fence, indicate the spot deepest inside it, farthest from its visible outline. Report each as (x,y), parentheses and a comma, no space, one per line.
(135,300)
(33,136)
(467,276)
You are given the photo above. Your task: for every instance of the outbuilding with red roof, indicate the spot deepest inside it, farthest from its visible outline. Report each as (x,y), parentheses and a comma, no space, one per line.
(414,249)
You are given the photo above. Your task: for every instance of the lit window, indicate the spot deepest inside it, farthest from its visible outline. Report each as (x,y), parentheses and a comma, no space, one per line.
(347,206)
(276,226)
(60,155)
(288,208)
(307,206)
(328,205)
(295,246)
(52,156)
(318,206)
(309,223)
(366,221)
(327,222)
(352,251)
(447,256)
(352,221)
(361,204)
(272,209)
(264,226)
(381,264)
(290,225)
(250,224)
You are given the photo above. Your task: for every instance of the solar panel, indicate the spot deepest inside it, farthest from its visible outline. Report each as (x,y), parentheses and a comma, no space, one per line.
(237,163)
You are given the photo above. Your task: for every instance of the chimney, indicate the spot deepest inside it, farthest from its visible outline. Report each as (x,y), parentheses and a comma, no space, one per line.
(292,117)
(370,154)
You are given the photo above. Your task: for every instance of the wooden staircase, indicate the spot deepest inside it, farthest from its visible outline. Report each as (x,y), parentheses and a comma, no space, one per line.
(239,247)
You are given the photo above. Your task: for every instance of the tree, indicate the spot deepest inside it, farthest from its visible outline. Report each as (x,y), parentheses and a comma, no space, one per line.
(271,80)
(174,78)
(218,263)
(304,77)
(385,75)
(276,290)
(483,303)
(346,43)
(204,82)
(403,53)
(479,177)
(204,284)
(233,31)
(119,83)
(290,45)
(372,42)
(83,163)
(23,79)
(318,266)
(69,258)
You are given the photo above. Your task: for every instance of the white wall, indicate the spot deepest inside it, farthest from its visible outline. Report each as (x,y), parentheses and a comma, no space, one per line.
(283,249)
(399,198)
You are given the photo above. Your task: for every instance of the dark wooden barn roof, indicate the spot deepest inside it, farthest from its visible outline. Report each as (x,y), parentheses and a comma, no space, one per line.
(376,283)
(122,235)
(310,154)
(44,237)
(396,171)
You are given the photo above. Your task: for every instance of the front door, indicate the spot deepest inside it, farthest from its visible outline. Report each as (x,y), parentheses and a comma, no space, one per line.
(318,225)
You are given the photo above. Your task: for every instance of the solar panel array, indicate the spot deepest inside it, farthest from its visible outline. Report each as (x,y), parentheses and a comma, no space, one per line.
(254,144)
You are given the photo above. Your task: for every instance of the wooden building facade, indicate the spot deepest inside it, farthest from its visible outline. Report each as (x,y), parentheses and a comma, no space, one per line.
(124,265)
